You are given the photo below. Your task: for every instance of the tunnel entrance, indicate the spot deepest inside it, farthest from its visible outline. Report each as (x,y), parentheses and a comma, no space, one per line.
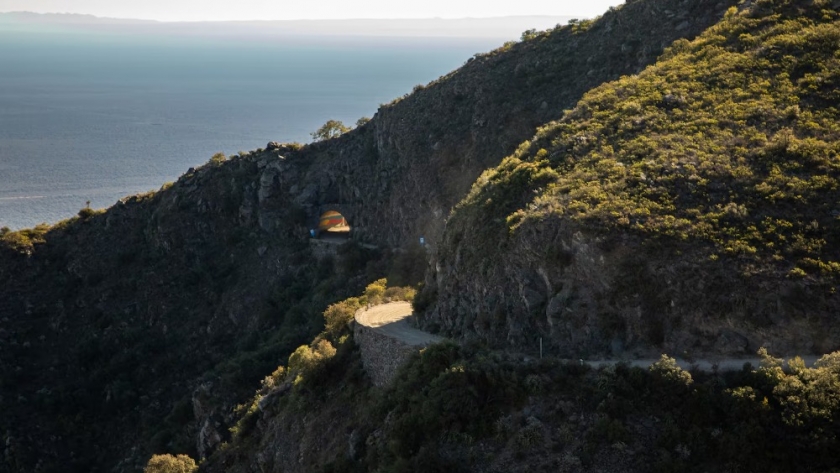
(333,225)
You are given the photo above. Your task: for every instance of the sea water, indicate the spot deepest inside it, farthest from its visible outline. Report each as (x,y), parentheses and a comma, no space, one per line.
(96,117)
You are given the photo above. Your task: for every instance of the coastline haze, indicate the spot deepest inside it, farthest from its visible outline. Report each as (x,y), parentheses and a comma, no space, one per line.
(502,29)
(99,113)
(217,10)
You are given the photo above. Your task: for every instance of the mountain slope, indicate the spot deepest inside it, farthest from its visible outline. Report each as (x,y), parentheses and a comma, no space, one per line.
(692,208)
(399,176)
(148,323)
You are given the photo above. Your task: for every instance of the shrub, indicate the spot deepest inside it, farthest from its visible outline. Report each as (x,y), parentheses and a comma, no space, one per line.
(669,371)
(529,34)
(217,159)
(87,213)
(274,379)
(329,130)
(24,241)
(400,294)
(338,315)
(170,464)
(307,359)
(669,382)
(375,291)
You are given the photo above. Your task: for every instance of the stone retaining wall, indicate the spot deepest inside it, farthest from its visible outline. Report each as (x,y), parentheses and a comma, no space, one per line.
(382,355)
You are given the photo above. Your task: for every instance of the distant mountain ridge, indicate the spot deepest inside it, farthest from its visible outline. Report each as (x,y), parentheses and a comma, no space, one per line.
(65,18)
(502,27)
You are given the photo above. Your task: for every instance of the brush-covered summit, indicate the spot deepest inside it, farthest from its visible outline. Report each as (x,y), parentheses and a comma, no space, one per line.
(693,208)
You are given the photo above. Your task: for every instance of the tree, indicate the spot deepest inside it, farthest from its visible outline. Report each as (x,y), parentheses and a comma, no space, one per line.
(170,464)
(308,358)
(338,315)
(375,290)
(529,34)
(331,129)
(217,159)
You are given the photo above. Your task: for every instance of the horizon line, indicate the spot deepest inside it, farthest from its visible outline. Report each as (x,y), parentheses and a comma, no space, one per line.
(147,20)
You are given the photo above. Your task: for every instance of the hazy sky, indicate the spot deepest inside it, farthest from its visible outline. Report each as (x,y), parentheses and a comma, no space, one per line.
(215,10)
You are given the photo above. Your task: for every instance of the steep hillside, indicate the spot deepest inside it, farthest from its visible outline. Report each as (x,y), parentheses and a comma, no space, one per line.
(462,408)
(138,329)
(693,208)
(398,177)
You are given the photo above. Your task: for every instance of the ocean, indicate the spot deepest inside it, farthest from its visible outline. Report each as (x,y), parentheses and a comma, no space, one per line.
(96,117)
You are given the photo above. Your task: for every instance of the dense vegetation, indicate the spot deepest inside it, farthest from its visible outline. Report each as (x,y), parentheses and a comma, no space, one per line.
(730,142)
(98,310)
(465,408)
(725,152)
(692,207)
(152,323)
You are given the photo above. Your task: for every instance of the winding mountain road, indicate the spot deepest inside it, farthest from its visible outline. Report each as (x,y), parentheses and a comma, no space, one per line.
(391,319)
(722,364)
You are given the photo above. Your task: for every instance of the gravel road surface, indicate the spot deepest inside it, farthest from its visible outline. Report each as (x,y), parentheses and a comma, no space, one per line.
(392,320)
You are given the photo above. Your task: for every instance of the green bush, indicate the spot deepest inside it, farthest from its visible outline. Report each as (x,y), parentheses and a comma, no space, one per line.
(338,315)
(399,294)
(529,34)
(307,359)
(375,291)
(88,212)
(217,159)
(24,241)
(170,464)
(329,130)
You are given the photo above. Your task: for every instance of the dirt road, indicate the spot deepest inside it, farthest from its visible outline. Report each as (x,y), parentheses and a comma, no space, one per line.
(392,320)
(722,364)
